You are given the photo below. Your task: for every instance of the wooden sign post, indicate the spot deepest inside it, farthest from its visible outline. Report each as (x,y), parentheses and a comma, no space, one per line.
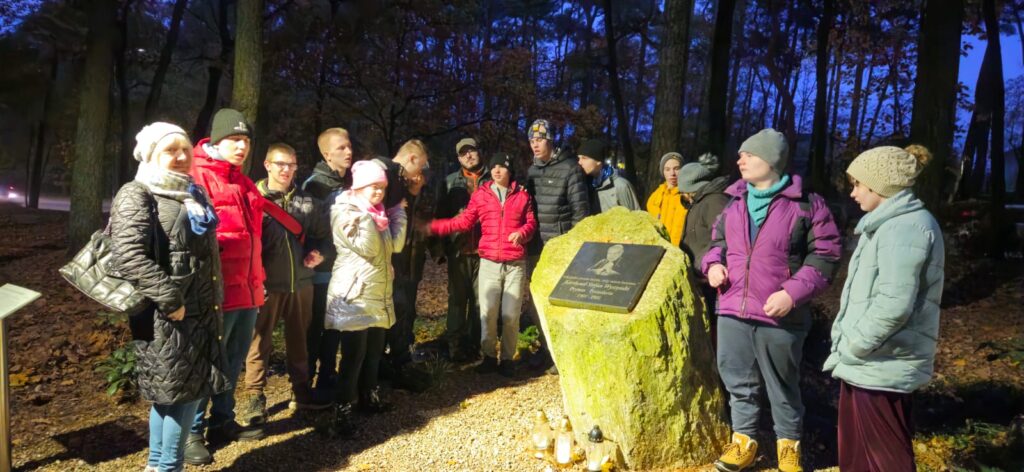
(12,298)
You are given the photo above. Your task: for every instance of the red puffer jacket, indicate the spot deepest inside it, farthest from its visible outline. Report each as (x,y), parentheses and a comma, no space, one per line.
(497,221)
(239,207)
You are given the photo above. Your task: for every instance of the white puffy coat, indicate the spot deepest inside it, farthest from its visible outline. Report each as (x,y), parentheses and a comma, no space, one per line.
(360,292)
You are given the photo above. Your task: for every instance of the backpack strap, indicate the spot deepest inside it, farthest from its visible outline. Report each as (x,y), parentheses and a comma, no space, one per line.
(281,216)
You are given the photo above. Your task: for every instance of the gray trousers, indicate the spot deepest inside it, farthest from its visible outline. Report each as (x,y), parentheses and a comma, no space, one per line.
(501,292)
(754,356)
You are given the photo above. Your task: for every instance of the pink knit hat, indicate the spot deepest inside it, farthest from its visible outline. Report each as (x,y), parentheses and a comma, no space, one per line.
(366,173)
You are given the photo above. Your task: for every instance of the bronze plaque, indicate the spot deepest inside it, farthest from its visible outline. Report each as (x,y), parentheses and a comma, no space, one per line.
(607,276)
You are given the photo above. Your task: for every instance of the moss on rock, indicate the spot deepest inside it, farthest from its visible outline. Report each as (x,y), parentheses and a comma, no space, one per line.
(648,378)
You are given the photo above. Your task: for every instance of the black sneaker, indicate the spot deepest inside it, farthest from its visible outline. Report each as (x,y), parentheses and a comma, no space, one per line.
(488,366)
(507,369)
(196,452)
(231,431)
(342,424)
(410,378)
(305,398)
(254,410)
(372,403)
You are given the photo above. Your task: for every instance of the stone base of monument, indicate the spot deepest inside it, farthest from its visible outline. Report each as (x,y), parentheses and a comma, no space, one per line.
(646,377)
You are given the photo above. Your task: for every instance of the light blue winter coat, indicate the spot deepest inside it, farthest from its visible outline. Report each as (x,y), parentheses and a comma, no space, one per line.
(885,334)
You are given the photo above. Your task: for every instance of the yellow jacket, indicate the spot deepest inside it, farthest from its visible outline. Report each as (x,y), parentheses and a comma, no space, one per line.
(665,205)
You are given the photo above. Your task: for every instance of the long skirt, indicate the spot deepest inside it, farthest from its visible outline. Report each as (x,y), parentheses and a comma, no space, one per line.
(875,430)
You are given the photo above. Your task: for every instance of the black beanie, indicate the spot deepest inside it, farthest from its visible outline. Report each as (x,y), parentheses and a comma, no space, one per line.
(501,159)
(228,122)
(595,149)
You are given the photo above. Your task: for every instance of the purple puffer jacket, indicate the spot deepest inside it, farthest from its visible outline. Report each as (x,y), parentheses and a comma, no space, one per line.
(796,249)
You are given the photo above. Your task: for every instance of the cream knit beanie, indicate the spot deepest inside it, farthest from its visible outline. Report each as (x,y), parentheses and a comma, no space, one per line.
(887,170)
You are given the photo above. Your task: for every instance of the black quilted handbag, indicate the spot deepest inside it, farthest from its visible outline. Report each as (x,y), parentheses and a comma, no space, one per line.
(91,271)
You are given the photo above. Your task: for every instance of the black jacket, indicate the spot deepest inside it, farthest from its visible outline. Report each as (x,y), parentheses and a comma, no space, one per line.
(176,361)
(324,181)
(707,204)
(323,184)
(282,252)
(559,192)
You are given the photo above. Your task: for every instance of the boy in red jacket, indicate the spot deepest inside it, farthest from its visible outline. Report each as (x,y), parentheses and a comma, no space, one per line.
(217,166)
(505,214)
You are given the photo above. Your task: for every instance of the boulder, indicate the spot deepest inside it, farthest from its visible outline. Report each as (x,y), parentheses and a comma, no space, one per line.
(647,378)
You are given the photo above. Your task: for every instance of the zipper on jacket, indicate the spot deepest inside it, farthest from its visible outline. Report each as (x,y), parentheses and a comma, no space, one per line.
(750,252)
(291,256)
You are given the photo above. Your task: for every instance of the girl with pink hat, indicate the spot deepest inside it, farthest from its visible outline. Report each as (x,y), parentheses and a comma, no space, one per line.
(359,297)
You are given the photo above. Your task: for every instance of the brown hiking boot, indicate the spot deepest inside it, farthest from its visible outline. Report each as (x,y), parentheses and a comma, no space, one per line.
(789,455)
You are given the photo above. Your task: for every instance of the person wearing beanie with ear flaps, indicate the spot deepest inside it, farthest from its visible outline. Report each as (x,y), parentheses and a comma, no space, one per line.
(239,205)
(885,334)
(359,296)
(504,212)
(608,187)
(773,249)
(179,355)
(664,202)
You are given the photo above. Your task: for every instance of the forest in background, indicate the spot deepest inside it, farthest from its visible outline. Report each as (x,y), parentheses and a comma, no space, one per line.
(651,76)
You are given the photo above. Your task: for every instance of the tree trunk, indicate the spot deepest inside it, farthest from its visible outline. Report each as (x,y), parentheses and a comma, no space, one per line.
(816,163)
(852,136)
(214,72)
(87,186)
(837,97)
(721,43)
(34,185)
(127,137)
(734,69)
(156,86)
(935,89)
(245,89)
(998,182)
(613,76)
(668,101)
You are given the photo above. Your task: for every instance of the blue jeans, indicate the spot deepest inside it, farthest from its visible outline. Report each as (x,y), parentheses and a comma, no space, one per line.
(167,426)
(238,328)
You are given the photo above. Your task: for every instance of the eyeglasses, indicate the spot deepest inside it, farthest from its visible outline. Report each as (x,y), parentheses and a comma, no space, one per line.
(465,152)
(285,165)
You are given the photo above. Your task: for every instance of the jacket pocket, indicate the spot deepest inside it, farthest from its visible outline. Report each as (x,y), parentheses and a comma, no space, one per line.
(354,290)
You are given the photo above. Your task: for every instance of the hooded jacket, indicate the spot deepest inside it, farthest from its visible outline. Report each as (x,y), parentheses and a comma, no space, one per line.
(665,205)
(796,249)
(283,254)
(885,335)
(239,207)
(359,295)
(708,203)
(176,361)
(559,191)
(497,221)
(614,191)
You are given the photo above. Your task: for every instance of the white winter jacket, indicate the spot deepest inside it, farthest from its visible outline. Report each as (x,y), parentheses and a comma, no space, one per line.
(360,292)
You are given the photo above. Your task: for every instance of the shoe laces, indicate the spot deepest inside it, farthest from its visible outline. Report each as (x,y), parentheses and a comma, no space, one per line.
(733,449)
(789,455)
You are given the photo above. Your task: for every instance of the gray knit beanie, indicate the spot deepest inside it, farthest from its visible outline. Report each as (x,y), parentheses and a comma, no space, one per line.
(693,177)
(670,155)
(770,146)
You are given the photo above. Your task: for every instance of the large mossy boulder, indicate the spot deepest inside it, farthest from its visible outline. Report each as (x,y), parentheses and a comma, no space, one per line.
(647,378)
